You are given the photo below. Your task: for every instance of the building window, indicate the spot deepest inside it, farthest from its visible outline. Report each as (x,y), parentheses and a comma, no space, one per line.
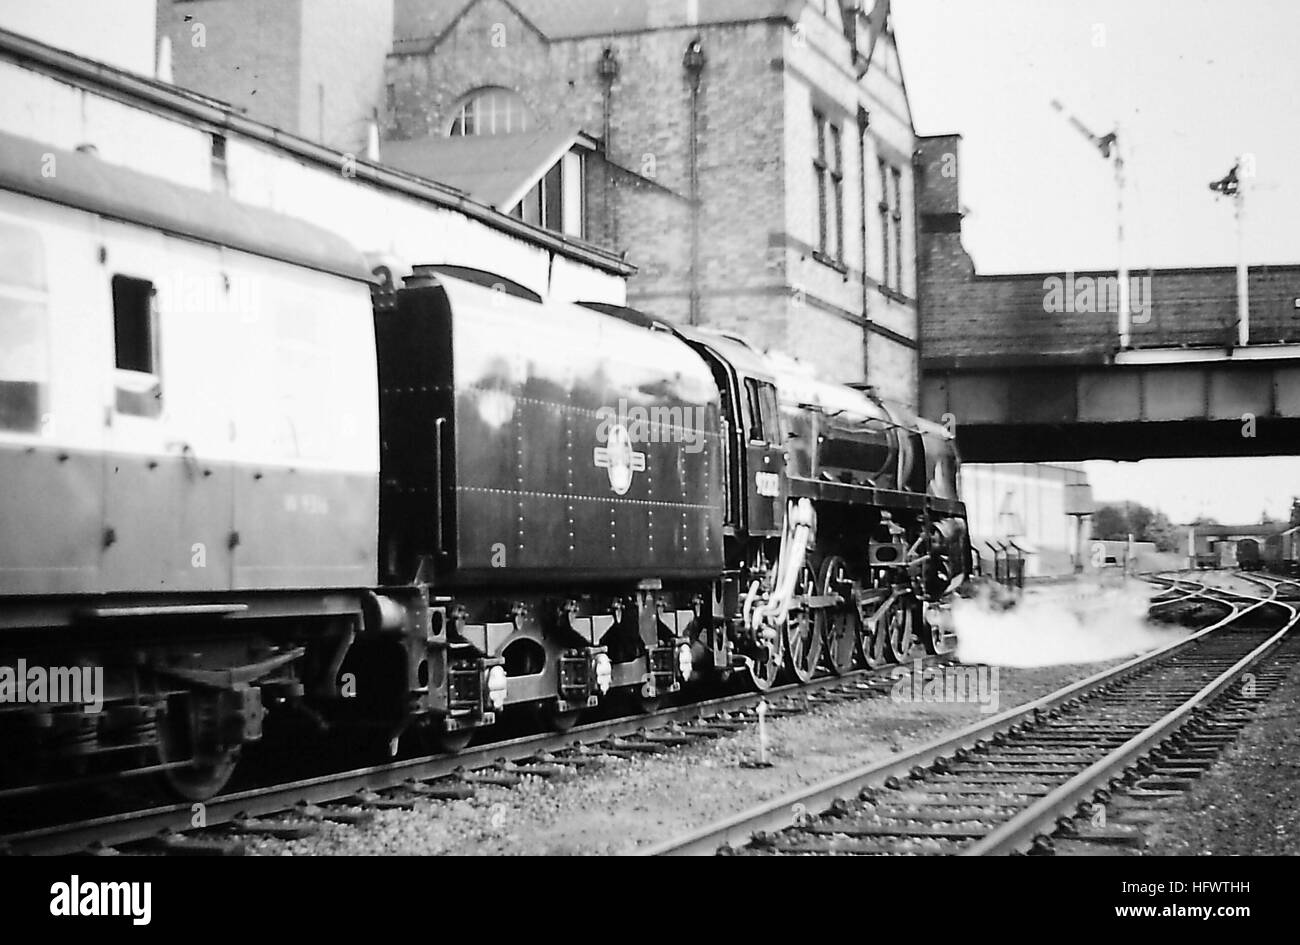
(135,347)
(891,226)
(575,185)
(556,201)
(896,217)
(492,111)
(828,171)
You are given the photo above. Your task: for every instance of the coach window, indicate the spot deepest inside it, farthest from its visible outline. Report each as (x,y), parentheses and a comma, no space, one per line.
(135,345)
(24,329)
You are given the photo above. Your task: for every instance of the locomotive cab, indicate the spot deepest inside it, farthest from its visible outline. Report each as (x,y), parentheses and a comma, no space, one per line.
(755,437)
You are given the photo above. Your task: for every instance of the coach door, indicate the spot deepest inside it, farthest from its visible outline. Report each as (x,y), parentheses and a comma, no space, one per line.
(765,458)
(166,503)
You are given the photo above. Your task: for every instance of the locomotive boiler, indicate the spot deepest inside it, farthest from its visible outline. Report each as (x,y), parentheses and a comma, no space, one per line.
(845,536)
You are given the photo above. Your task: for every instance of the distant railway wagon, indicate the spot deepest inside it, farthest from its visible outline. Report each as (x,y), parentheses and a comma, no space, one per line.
(252,482)
(1281,552)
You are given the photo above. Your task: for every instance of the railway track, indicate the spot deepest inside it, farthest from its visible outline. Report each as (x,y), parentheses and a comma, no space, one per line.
(288,809)
(1040,778)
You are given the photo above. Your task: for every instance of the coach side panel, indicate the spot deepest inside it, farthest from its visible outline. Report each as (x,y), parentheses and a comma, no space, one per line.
(175,416)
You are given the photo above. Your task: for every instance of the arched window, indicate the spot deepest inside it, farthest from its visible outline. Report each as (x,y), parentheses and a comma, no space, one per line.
(489,111)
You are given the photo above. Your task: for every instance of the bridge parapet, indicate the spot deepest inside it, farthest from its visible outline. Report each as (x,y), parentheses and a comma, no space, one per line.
(973,318)
(1029,367)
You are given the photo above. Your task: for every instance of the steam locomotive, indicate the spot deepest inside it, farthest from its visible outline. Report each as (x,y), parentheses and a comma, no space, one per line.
(244,475)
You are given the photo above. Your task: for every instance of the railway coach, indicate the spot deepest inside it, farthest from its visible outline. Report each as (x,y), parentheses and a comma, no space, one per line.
(189,451)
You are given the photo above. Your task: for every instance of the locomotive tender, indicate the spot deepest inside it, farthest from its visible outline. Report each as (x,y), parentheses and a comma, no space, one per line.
(240,477)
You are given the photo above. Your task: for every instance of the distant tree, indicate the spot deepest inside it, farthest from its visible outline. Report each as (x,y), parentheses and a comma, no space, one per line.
(1117,522)
(1166,535)
(1139,520)
(1110,523)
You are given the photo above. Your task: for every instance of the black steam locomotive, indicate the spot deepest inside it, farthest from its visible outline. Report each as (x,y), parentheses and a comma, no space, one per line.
(241,477)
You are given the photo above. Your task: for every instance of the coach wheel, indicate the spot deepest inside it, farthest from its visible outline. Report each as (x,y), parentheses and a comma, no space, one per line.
(897,625)
(190,729)
(838,625)
(204,779)
(803,639)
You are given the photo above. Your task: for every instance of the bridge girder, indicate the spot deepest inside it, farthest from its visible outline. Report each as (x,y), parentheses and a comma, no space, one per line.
(1181,407)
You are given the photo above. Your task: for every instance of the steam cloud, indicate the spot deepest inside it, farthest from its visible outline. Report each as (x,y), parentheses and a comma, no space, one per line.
(1062,625)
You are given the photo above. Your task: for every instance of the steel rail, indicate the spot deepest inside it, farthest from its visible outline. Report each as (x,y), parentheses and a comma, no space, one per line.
(1041,816)
(782,812)
(1172,588)
(131,826)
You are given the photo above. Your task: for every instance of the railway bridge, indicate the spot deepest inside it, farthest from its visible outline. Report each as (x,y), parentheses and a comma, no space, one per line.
(1030,367)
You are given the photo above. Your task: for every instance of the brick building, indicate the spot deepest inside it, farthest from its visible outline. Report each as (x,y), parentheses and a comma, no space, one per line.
(760,183)
(787,120)
(312,67)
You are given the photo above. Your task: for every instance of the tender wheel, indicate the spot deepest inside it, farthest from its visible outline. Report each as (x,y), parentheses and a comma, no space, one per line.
(454,741)
(838,626)
(897,630)
(645,705)
(556,719)
(190,730)
(433,737)
(803,639)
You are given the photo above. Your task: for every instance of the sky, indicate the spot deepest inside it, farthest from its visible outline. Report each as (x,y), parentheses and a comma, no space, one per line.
(1190,85)
(1232,491)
